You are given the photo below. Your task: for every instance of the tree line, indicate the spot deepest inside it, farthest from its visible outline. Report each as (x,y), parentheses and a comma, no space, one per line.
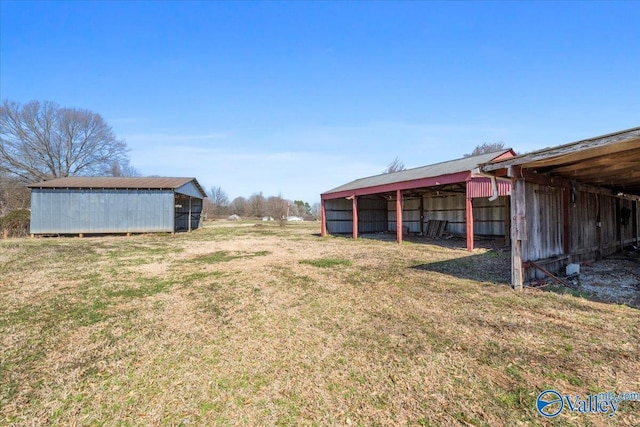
(218,205)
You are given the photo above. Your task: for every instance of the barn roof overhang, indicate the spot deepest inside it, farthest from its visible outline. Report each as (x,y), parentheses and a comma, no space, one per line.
(609,161)
(438,175)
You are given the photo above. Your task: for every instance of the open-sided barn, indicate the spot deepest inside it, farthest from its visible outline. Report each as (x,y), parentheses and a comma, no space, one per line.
(573,202)
(94,205)
(451,194)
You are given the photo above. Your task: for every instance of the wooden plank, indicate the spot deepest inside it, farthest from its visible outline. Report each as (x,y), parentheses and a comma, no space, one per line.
(518,232)
(566,219)
(636,234)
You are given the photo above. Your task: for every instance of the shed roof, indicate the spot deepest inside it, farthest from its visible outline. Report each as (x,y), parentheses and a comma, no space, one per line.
(465,164)
(154,183)
(610,161)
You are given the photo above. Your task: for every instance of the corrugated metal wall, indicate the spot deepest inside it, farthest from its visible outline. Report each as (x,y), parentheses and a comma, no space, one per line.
(71,211)
(488,216)
(376,214)
(372,215)
(338,216)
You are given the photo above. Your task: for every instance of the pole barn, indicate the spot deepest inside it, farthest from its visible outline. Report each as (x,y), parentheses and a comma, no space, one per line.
(454,195)
(101,205)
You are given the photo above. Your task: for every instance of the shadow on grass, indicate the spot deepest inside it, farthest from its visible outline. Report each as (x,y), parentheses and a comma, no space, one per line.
(493,266)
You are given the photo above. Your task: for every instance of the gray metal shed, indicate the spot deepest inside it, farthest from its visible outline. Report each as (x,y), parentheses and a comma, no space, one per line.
(79,205)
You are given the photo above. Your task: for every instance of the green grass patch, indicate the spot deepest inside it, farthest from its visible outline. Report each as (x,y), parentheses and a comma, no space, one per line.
(326,262)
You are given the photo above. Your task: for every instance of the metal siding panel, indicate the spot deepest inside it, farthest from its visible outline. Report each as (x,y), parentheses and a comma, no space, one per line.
(489,216)
(71,211)
(339,216)
(371,214)
(189,189)
(482,187)
(449,208)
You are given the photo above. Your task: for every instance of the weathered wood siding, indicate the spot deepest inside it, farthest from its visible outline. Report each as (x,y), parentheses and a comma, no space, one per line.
(595,227)
(544,222)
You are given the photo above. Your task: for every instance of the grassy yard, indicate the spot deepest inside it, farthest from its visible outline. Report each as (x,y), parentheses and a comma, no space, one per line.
(242,324)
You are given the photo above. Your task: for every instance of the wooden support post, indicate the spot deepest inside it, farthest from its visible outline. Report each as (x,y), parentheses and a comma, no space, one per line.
(354,207)
(566,218)
(469,212)
(399,216)
(518,232)
(189,219)
(323,219)
(619,238)
(634,212)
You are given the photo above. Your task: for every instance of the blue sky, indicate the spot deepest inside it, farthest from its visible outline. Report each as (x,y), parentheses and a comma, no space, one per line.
(297,98)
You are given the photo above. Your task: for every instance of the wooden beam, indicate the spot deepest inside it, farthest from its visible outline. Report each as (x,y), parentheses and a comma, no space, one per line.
(354,209)
(634,212)
(518,232)
(607,144)
(566,218)
(399,216)
(323,219)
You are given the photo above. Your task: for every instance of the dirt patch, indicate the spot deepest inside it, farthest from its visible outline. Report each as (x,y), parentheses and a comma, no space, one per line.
(614,280)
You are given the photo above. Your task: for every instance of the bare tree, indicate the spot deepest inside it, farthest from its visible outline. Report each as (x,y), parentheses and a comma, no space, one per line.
(14,195)
(121,168)
(40,141)
(395,166)
(238,206)
(486,147)
(316,210)
(218,201)
(257,204)
(277,207)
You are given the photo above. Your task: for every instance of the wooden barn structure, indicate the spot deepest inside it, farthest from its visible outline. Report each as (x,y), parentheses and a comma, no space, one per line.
(99,205)
(572,203)
(454,194)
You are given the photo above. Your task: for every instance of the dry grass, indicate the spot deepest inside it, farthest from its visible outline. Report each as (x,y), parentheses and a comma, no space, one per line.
(268,325)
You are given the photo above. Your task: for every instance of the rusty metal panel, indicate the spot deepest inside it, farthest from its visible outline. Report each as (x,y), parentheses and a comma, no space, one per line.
(483,187)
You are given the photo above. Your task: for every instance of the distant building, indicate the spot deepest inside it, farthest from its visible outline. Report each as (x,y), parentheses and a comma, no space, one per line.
(102,205)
